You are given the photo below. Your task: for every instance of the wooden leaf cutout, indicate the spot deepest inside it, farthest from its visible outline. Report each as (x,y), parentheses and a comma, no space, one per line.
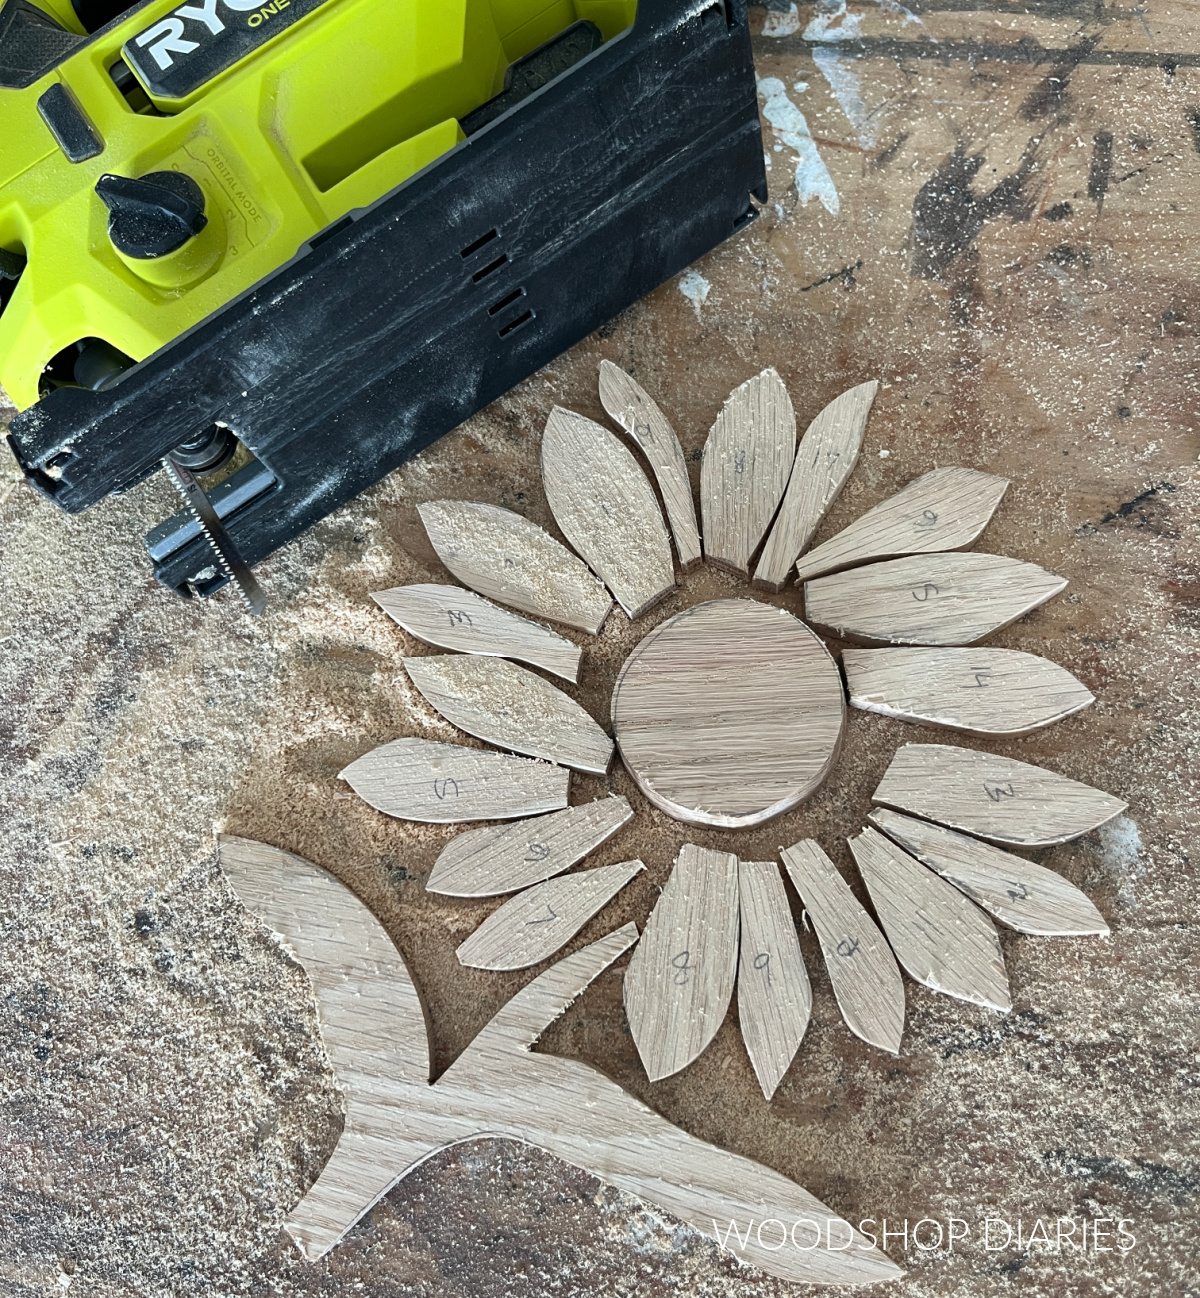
(629,406)
(747,461)
(944,941)
(540,920)
(453,618)
(506,858)
(417,779)
(862,969)
(774,996)
(511,707)
(1025,896)
(982,691)
(509,559)
(996,798)
(680,980)
(928,599)
(607,509)
(945,509)
(826,457)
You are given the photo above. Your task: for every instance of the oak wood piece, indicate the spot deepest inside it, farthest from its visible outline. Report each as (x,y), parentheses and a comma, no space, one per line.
(544,918)
(680,980)
(747,461)
(509,559)
(997,798)
(982,691)
(506,858)
(929,599)
(511,707)
(444,784)
(607,509)
(866,980)
(944,509)
(943,939)
(1020,894)
(374,1030)
(774,996)
(729,713)
(632,408)
(452,618)
(826,457)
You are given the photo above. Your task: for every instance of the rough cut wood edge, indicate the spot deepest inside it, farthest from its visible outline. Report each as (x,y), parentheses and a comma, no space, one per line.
(452,618)
(866,979)
(980,691)
(374,1030)
(444,784)
(774,996)
(747,460)
(825,459)
(944,509)
(1005,801)
(680,980)
(628,405)
(605,506)
(941,937)
(511,560)
(497,859)
(513,708)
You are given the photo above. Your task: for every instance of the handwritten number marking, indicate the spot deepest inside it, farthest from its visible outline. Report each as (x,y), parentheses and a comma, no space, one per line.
(763,961)
(547,920)
(927,522)
(682,969)
(847,946)
(445,789)
(459,618)
(538,852)
(922,593)
(998,792)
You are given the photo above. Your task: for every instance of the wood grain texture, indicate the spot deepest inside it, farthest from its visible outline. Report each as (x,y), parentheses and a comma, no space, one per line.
(444,784)
(1020,894)
(452,618)
(374,1030)
(729,713)
(544,918)
(943,939)
(747,460)
(506,858)
(944,509)
(982,691)
(929,599)
(605,506)
(509,559)
(680,980)
(774,996)
(511,707)
(996,798)
(866,980)
(633,409)
(826,457)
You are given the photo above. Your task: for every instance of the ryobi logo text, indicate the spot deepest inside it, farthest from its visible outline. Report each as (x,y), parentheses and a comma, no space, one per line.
(170,38)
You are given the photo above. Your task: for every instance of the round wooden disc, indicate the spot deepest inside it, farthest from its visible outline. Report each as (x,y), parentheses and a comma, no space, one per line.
(729,714)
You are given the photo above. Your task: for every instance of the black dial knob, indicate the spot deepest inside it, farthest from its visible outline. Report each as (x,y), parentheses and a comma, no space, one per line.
(153,215)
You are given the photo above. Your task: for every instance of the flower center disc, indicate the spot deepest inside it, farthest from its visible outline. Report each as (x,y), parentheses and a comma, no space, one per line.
(729,713)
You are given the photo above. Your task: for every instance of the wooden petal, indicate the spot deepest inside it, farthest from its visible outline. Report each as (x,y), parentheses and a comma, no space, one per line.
(629,405)
(680,980)
(996,798)
(826,457)
(944,941)
(747,460)
(417,779)
(774,997)
(508,558)
(506,858)
(982,691)
(862,969)
(607,509)
(453,618)
(540,920)
(512,707)
(945,509)
(1023,895)
(929,599)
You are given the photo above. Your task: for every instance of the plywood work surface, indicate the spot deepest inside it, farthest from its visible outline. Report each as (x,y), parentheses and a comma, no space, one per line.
(1013,256)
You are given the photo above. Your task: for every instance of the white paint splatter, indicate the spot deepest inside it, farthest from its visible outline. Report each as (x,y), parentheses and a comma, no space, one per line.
(782,24)
(812,176)
(839,69)
(1120,857)
(695,288)
(829,12)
